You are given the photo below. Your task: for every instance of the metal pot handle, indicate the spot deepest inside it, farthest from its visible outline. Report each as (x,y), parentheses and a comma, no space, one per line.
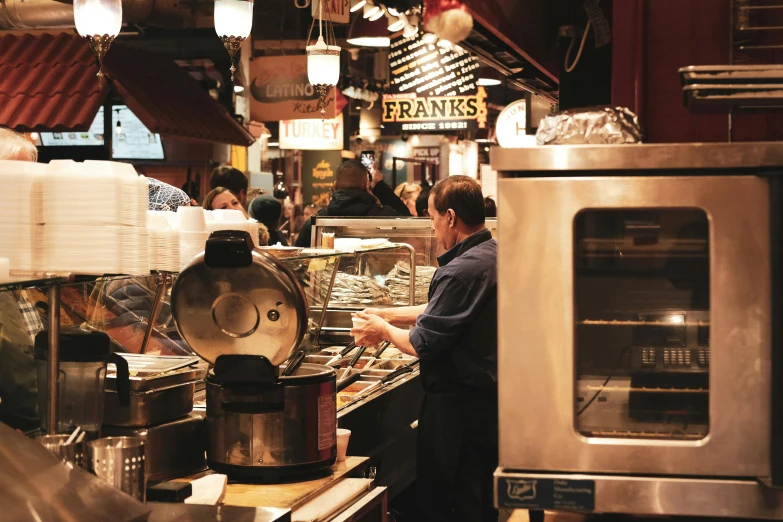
(123,378)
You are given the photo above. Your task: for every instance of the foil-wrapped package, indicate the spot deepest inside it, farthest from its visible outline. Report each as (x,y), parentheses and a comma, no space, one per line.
(594,125)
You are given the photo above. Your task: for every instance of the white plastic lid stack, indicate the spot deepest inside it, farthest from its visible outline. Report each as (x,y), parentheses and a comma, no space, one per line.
(18,244)
(22,179)
(129,204)
(78,194)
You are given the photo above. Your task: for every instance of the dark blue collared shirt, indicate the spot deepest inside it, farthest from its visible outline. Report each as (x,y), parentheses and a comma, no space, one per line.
(456,336)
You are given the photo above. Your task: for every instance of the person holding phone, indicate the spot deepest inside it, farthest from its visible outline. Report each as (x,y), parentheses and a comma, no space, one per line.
(355,193)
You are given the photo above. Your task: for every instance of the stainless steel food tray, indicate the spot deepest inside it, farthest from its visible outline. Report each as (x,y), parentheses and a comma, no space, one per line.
(715,74)
(151,407)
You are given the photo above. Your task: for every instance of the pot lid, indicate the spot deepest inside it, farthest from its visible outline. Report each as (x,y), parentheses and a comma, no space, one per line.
(234,300)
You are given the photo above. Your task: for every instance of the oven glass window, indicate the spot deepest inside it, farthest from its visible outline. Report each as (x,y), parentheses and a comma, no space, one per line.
(642,332)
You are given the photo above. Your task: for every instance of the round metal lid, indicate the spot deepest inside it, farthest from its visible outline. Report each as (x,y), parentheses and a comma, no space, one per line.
(251,307)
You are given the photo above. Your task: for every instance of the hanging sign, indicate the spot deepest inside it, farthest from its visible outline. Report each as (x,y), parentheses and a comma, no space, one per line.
(511,126)
(340,10)
(280,90)
(432,88)
(318,171)
(312,134)
(430,154)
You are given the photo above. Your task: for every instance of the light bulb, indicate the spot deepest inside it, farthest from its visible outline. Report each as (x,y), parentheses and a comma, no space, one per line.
(370,10)
(118,128)
(377,15)
(397,23)
(97,17)
(357,4)
(233,18)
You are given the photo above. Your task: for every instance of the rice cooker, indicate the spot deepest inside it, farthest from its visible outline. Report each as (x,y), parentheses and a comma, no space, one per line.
(243,311)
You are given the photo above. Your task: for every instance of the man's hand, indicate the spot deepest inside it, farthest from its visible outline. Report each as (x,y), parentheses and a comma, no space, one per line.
(377,175)
(371,332)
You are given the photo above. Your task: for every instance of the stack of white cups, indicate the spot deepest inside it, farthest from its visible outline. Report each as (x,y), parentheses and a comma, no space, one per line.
(163,242)
(193,233)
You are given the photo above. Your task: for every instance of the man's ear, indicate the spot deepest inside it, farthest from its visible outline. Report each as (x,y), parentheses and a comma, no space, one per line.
(452,218)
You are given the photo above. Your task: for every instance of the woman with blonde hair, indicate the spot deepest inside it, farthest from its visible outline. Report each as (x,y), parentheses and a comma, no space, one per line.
(408,193)
(223,199)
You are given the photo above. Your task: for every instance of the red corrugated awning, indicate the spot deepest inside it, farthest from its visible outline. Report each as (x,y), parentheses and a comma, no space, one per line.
(49,83)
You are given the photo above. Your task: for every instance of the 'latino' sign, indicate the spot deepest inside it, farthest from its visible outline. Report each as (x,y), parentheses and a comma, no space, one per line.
(433,88)
(312,134)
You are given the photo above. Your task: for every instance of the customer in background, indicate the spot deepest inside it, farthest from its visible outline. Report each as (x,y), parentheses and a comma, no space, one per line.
(252,193)
(455,337)
(422,203)
(15,146)
(351,197)
(266,209)
(231,178)
(384,192)
(20,320)
(309,211)
(490,208)
(223,199)
(293,218)
(409,193)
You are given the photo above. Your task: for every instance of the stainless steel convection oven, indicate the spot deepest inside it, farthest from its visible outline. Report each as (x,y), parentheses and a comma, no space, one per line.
(640,347)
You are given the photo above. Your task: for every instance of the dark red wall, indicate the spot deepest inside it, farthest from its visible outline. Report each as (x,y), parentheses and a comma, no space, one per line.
(652,40)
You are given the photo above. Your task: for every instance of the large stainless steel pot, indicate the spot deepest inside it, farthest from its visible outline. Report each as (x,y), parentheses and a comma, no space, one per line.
(244,311)
(273,431)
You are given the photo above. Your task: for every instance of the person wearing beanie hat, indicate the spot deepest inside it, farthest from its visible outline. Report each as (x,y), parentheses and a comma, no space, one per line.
(266,209)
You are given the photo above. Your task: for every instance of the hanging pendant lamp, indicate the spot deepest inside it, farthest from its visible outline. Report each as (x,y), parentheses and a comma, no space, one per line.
(98,22)
(323,59)
(233,23)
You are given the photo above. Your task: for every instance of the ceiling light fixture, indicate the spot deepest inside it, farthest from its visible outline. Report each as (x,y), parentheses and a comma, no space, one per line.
(377,15)
(489,77)
(369,34)
(238,89)
(397,23)
(357,4)
(233,23)
(323,59)
(98,22)
(370,10)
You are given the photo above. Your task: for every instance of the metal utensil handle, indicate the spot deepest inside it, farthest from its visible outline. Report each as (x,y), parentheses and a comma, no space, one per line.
(345,351)
(294,363)
(356,357)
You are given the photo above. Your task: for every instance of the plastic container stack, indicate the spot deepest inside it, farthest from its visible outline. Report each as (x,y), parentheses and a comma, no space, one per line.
(163,240)
(83,218)
(20,226)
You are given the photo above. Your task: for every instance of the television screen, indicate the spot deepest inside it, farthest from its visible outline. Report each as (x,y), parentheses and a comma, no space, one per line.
(93,137)
(131,140)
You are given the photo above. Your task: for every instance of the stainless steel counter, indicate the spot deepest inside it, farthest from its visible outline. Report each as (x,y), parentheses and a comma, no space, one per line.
(164,512)
(658,156)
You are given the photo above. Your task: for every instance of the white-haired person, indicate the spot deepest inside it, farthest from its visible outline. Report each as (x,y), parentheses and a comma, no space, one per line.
(16,146)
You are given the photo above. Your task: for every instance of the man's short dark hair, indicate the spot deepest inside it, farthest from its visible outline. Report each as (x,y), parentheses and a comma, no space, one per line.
(351,174)
(462,194)
(229,177)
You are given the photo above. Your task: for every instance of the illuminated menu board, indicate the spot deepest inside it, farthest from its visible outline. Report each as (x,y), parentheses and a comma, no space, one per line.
(132,140)
(433,88)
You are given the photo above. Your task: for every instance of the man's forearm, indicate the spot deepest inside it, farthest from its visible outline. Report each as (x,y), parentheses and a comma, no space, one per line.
(401,339)
(404,315)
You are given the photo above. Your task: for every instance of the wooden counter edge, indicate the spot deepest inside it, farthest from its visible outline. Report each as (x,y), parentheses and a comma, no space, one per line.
(291,495)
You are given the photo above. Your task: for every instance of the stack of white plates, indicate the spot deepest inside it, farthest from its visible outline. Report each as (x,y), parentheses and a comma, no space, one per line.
(19,227)
(86,249)
(163,242)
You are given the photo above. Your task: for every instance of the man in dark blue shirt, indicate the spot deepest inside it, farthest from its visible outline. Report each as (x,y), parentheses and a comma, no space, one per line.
(455,336)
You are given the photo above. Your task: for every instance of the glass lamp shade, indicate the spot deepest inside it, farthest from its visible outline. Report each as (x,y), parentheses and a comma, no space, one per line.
(98,17)
(323,63)
(233,18)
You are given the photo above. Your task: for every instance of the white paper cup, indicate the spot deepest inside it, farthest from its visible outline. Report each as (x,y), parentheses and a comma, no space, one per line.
(342,443)
(191,219)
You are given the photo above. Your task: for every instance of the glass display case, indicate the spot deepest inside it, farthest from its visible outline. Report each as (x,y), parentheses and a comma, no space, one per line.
(378,277)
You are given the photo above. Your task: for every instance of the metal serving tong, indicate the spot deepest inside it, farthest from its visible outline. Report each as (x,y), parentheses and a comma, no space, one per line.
(293,363)
(345,351)
(347,370)
(386,381)
(378,352)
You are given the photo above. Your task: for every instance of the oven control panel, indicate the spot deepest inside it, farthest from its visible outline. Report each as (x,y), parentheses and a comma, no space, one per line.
(670,359)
